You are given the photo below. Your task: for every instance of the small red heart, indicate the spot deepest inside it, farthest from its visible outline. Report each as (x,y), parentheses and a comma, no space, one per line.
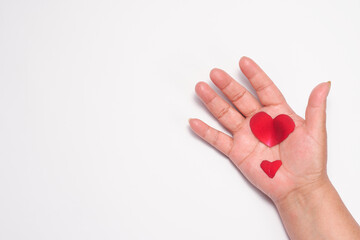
(270,168)
(271,131)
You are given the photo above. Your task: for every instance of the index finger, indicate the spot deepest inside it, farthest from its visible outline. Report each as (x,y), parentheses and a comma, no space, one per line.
(266,90)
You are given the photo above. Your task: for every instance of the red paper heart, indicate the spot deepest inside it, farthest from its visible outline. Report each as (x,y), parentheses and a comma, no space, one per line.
(270,168)
(271,131)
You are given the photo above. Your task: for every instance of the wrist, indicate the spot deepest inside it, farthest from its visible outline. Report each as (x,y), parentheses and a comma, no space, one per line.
(306,197)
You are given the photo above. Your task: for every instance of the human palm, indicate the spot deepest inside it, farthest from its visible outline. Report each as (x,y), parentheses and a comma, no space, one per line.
(303,152)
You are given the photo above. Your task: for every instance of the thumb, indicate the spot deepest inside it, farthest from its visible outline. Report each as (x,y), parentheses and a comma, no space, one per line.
(315,115)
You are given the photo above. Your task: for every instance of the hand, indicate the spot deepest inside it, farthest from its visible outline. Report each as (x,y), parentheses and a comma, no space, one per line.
(308,204)
(303,152)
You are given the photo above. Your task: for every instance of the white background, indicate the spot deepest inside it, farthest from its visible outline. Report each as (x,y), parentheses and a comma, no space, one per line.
(95,98)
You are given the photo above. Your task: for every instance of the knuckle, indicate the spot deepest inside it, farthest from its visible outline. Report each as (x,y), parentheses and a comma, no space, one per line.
(215,141)
(223,112)
(238,95)
(263,87)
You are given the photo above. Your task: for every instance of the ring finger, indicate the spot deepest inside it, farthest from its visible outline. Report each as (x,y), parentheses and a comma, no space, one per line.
(222,110)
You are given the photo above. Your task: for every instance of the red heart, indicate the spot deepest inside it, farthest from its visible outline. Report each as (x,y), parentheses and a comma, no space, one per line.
(270,168)
(271,132)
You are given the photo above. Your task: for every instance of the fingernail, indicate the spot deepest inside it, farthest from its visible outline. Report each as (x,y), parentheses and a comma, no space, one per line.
(329,82)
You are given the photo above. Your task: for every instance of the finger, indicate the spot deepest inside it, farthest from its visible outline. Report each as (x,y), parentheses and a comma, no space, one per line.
(227,115)
(217,139)
(237,94)
(315,115)
(266,90)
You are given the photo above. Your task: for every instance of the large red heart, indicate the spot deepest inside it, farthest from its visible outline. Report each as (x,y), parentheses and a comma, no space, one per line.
(271,131)
(270,168)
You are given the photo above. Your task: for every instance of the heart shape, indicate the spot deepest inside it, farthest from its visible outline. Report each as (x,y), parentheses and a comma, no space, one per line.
(270,168)
(271,131)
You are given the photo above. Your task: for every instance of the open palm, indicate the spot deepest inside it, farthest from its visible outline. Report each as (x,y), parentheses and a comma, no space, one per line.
(303,152)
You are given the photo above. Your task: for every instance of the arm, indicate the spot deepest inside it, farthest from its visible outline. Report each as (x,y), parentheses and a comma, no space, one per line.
(317,212)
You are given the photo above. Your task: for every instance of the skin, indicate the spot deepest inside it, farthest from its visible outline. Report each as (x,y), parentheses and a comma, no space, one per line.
(308,204)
